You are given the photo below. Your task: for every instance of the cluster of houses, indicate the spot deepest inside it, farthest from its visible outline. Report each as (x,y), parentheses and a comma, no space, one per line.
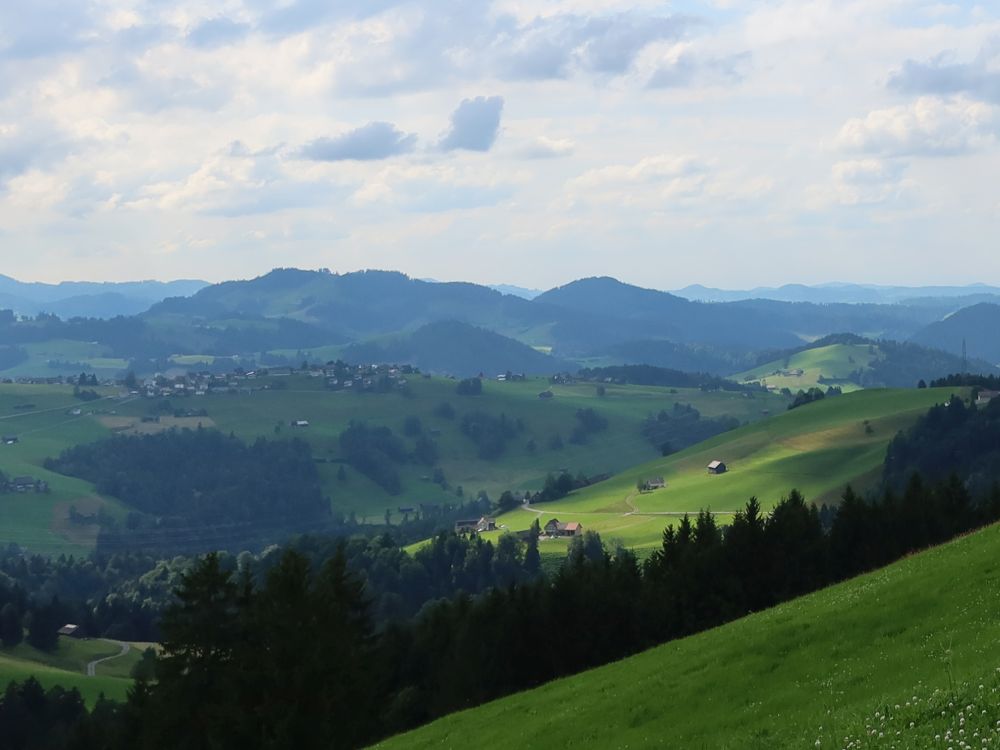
(552,529)
(23,485)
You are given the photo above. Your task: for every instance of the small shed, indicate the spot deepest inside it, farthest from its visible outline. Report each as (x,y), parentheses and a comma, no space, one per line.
(656,483)
(717,467)
(572,528)
(69,630)
(9,439)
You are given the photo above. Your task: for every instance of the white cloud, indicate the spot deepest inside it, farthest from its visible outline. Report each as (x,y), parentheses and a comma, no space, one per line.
(868,181)
(546,148)
(753,129)
(927,127)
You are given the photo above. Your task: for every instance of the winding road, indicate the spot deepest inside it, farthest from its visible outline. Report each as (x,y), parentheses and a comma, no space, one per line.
(92,666)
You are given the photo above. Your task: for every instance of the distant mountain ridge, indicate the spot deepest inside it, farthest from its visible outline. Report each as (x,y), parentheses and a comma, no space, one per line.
(842,293)
(90,299)
(386,314)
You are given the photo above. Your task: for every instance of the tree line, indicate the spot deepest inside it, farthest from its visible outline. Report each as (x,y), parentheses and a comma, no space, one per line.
(294,657)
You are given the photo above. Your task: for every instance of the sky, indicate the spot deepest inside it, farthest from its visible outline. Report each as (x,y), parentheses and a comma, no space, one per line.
(725,142)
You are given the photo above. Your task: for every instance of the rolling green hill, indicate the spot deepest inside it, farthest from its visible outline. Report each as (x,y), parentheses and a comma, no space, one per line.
(40,522)
(818,449)
(851,362)
(803,674)
(329,413)
(803,370)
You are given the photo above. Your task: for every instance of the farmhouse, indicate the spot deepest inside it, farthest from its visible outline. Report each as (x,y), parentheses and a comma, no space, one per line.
(486,524)
(467,526)
(716,467)
(555,527)
(986,396)
(656,483)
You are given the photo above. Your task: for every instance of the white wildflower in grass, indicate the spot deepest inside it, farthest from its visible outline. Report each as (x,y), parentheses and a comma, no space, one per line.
(963,717)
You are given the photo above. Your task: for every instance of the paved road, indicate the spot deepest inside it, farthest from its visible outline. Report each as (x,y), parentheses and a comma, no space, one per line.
(92,667)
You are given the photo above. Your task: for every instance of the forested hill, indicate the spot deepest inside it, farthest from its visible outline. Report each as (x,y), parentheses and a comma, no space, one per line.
(975,326)
(458,349)
(388,315)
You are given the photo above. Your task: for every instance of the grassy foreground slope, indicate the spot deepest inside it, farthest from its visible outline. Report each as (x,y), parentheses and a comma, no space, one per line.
(786,677)
(818,448)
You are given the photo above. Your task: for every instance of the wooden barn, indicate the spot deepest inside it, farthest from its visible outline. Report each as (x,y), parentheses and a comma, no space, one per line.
(717,467)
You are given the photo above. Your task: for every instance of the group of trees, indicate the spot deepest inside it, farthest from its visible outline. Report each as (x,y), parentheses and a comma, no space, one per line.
(813,394)
(489,433)
(663,376)
(469,387)
(183,484)
(951,437)
(588,422)
(682,426)
(292,655)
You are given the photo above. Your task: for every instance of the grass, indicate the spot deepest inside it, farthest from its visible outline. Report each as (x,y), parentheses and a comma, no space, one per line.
(329,413)
(67,667)
(818,449)
(40,522)
(42,419)
(812,669)
(66,357)
(834,363)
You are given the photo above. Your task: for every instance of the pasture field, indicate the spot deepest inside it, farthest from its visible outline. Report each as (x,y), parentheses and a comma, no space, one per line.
(803,674)
(835,363)
(64,357)
(818,449)
(67,667)
(269,413)
(42,419)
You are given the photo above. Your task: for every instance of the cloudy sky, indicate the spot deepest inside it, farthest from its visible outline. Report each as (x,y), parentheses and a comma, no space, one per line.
(724,142)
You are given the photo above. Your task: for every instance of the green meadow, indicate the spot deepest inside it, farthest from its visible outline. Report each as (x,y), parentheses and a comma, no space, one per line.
(834,363)
(42,418)
(67,667)
(269,413)
(65,357)
(803,674)
(818,449)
